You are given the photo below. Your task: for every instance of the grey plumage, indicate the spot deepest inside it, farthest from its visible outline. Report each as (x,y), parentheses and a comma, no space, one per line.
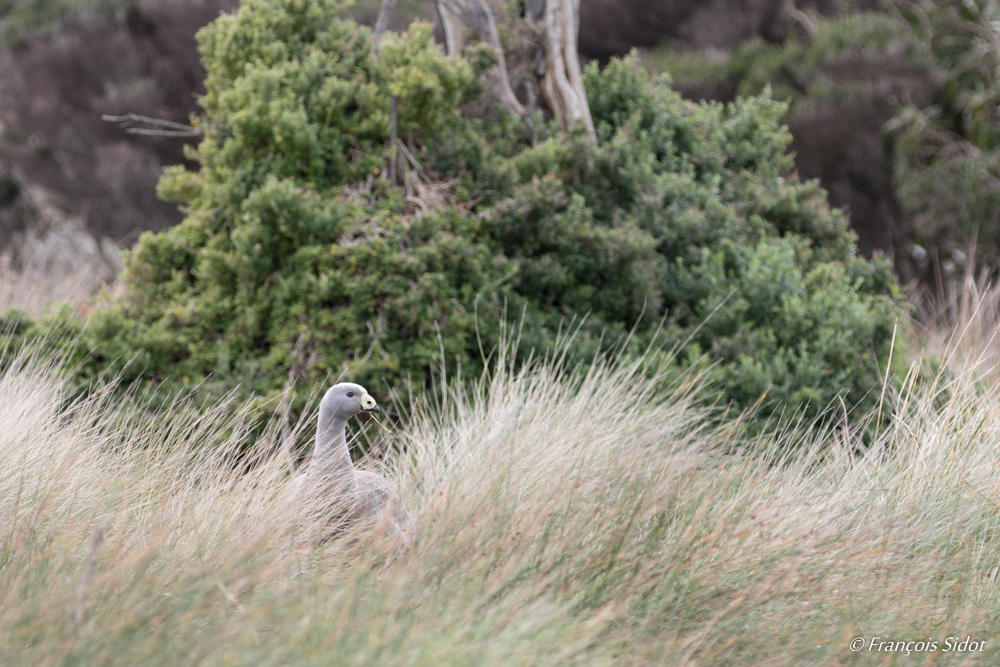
(335,492)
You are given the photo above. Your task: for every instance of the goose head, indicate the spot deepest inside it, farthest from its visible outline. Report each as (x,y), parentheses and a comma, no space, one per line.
(346,399)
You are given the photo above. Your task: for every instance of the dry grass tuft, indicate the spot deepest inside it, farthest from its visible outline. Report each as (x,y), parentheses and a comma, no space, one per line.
(593,519)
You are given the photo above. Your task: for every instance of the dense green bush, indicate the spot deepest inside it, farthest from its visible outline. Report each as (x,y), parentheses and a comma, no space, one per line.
(844,82)
(299,260)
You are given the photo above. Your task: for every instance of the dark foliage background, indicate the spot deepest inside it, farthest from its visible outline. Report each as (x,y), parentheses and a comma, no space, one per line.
(844,83)
(894,111)
(613,27)
(59,79)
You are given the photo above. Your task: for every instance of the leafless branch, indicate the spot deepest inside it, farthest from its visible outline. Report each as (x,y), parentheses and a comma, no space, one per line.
(169,128)
(393,119)
(478,16)
(380,24)
(799,17)
(452,26)
(562,81)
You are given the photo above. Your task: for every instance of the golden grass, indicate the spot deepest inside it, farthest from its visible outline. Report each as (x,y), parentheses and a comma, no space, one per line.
(591,519)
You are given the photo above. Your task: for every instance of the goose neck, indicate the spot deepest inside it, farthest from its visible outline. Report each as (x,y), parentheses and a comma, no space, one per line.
(331,452)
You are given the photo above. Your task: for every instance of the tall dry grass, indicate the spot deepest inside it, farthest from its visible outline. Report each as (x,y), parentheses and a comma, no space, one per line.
(592,518)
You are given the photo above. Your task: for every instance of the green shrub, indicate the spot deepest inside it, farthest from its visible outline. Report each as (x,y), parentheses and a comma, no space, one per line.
(843,83)
(300,261)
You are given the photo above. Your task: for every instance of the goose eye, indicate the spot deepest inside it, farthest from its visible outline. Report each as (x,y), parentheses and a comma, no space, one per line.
(350,394)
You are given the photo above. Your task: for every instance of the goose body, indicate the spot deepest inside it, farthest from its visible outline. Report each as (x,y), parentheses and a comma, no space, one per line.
(332,486)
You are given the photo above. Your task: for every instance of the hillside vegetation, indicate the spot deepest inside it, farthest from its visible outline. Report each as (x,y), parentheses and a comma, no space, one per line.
(315,248)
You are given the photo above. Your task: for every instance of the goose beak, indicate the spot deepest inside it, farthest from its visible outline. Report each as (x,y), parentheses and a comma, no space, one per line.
(368,404)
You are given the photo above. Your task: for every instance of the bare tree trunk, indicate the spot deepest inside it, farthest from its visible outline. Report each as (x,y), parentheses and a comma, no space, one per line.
(453,28)
(381,23)
(477,15)
(562,82)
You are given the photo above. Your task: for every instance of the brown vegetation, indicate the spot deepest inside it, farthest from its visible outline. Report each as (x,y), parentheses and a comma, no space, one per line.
(57,87)
(613,27)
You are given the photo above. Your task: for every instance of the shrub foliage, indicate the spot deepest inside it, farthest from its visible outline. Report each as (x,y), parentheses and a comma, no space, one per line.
(300,260)
(844,82)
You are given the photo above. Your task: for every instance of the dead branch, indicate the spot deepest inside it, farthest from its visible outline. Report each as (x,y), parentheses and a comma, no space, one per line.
(562,81)
(453,27)
(170,129)
(799,17)
(380,24)
(393,119)
(478,16)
